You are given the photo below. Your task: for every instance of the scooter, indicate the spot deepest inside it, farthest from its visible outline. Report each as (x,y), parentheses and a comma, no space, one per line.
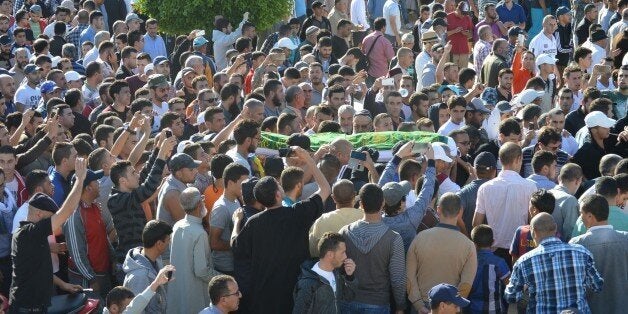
(77,303)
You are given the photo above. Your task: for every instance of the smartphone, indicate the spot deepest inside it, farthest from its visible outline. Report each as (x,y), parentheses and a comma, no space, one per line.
(168,133)
(285,152)
(169,274)
(388,82)
(419,148)
(356,159)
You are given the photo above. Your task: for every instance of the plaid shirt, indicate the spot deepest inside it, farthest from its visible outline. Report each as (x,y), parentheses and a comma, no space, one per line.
(558,276)
(74,36)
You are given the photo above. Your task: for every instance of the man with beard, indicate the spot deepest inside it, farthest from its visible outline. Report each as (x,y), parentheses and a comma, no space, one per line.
(324,53)
(499,29)
(28,95)
(274,98)
(21,60)
(229,101)
(501,92)
(419,104)
(5,52)
(7,89)
(620,94)
(247,137)
(160,87)
(316,80)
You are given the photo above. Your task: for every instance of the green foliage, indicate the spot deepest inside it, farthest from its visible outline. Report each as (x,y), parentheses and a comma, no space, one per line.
(179,17)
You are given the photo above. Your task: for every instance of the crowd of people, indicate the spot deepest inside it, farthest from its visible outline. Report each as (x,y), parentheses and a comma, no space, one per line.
(235,172)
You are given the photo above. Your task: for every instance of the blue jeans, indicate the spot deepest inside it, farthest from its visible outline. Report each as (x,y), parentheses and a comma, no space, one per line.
(363,308)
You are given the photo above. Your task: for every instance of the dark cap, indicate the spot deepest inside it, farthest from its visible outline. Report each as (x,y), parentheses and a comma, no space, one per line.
(439,21)
(248,186)
(394,71)
(317,4)
(300,140)
(562,10)
(90,177)
(446,293)
(504,107)
(294,21)
(30,68)
(5,40)
(157,80)
(477,104)
(485,160)
(159,60)
(273,166)
(515,31)
(186,70)
(598,35)
(43,202)
(182,160)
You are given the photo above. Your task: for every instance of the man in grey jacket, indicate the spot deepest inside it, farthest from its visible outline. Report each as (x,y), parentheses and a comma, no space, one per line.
(121,300)
(610,252)
(379,257)
(142,263)
(566,209)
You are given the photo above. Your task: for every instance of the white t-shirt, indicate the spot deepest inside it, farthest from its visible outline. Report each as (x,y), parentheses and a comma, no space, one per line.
(28,96)
(543,44)
(358,13)
(12,187)
(160,111)
(327,275)
(449,126)
(391,8)
(599,53)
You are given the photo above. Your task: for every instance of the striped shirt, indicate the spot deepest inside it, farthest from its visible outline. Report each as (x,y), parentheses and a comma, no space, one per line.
(485,294)
(526,170)
(550,290)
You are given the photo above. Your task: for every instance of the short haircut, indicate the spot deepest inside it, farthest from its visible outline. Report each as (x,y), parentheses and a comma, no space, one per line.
(622,182)
(133,37)
(544,224)
(548,135)
(168,119)
(155,230)
(482,236)
(92,69)
(329,242)
(343,191)
(530,111)
(449,204)
(456,101)
(190,198)
(218,163)
(581,53)
(570,173)
(509,126)
(127,51)
(245,129)
(291,177)
(265,190)
(543,201)
(608,163)
(116,87)
(118,170)
(600,104)
(271,86)
(219,287)
(590,94)
(371,198)
(509,152)
(573,68)
(606,186)
(35,179)
(61,150)
(541,159)
(285,119)
(408,169)
(211,112)
(465,75)
(118,295)
(234,172)
(595,205)
(379,23)
(93,15)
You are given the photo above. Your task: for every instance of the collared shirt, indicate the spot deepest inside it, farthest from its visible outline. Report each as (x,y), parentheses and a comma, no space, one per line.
(358,14)
(87,35)
(481,50)
(74,35)
(516,14)
(550,290)
(380,55)
(616,218)
(599,53)
(542,182)
(486,291)
(419,64)
(504,200)
(155,46)
(391,9)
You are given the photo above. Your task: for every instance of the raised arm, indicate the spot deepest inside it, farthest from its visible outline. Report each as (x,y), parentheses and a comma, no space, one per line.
(72,201)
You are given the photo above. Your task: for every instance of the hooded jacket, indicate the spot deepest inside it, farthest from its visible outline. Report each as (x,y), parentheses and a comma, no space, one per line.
(380,262)
(140,273)
(314,294)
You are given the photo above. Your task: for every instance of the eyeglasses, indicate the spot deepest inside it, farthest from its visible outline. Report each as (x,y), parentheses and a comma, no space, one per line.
(238,293)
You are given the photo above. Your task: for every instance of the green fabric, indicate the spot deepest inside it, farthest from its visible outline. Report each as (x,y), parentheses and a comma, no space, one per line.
(379,140)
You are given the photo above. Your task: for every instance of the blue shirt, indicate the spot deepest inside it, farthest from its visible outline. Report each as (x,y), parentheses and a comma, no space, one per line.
(550,290)
(542,182)
(87,35)
(299,8)
(155,47)
(62,187)
(515,15)
(485,295)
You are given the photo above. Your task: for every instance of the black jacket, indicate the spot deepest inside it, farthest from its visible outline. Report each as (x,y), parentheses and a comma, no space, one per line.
(313,293)
(311,21)
(116,10)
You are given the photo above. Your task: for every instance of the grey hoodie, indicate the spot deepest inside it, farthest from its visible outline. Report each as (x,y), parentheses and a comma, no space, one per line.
(140,273)
(380,262)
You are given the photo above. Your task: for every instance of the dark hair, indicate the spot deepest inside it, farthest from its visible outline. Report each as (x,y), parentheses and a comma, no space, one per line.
(133,37)
(600,104)
(541,159)
(39,45)
(168,119)
(581,53)
(118,295)
(61,150)
(606,186)
(449,204)
(35,179)
(139,104)
(543,201)
(595,205)
(329,242)
(379,23)
(93,15)
(155,230)
(409,168)
(229,90)
(509,126)
(290,177)
(116,87)
(371,198)
(549,134)
(570,172)
(329,126)
(465,75)
(482,236)
(83,147)
(271,86)
(234,172)
(73,97)
(118,170)
(218,163)
(622,182)
(591,93)
(92,68)
(456,101)
(96,158)
(219,287)
(265,190)
(245,129)
(59,28)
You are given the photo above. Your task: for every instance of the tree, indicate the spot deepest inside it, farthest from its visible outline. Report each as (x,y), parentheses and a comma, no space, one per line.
(179,17)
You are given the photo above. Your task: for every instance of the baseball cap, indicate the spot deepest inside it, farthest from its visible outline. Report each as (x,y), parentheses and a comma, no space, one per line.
(68,4)
(159,60)
(545,59)
(47,87)
(311,30)
(452,88)
(447,293)
(429,36)
(439,21)
(485,160)
(286,43)
(598,118)
(132,17)
(301,65)
(149,67)
(300,140)
(157,80)
(394,192)
(514,31)
(43,202)
(30,68)
(439,152)
(55,61)
(504,107)
(5,40)
(477,104)
(199,41)
(35,8)
(562,10)
(598,35)
(182,160)
(181,146)
(186,70)
(90,176)
(527,96)
(317,4)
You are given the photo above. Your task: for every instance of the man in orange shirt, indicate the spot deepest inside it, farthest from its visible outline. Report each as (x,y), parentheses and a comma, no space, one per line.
(522,68)
(217,164)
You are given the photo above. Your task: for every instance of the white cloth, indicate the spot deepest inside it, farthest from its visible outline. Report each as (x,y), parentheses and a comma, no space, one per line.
(448,186)
(327,275)
(419,64)
(449,126)
(504,200)
(599,53)
(491,125)
(391,8)
(543,44)
(90,56)
(160,111)
(577,100)
(617,28)
(358,13)
(237,158)
(601,86)
(27,96)
(569,145)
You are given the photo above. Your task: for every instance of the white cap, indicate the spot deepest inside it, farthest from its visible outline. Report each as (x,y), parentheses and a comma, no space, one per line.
(545,59)
(598,118)
(55,61)
(285,43)
(149,67)
(439,152)
(72,76)
(527,96)
(200,119)
(181,146)
(68,4)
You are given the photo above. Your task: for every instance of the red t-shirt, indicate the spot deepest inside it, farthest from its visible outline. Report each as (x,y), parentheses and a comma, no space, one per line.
(459,42)
(96,236)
